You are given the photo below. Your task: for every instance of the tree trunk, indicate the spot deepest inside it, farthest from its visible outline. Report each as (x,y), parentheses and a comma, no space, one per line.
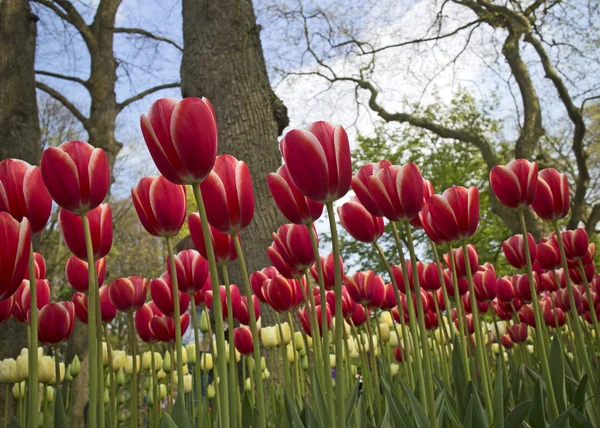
(19,127)
(223,61)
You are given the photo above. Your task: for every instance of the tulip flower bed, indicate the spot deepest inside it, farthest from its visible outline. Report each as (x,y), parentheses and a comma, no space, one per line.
(445,343)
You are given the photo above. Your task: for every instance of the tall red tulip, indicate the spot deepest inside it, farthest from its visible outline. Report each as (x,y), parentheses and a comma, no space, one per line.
(259,278)
(318,161)
(243,314)
(192,271)
(242,339)
(428,190)
(6,309)
(16,242)
(291,251)
(23,193)
(101,231)
(547,254)
(76,272)
(76,175)
(360,185)
(160,205)
(142,323)
(453,215)
(360,315)
(505,289)
(359,223)
(304,316)
(518,332)
(222,242)
(399,276)
(282,294)
(163,327)
(229,195)
(161,291)
(23,300)
(366,288)
(522,287)
(398,191)
(576,243)
(485,285)
(514,250)
(236,299)
(108,311)
(515,184)
(552,198)
(80,304)
(181,136)
(129,294)
(328,271)
(296,207)
(461,263)
(431,277)
(56,322)
(39,264)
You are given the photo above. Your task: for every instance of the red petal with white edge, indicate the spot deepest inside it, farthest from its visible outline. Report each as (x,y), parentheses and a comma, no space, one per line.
(344,161)
(140,196)
(3,199)
(473,210)
(409,185)
(99,173)
(324,131)
(37,199)
(307,164)
(194,134)
(106,231)
(282,195)
(12,177)
(505,185)
(22,256)
(215,199)
(61,178)
(565,196)
(168,204)
(245,193)
(543,203)
(443,220)
(382,198)
(458,199)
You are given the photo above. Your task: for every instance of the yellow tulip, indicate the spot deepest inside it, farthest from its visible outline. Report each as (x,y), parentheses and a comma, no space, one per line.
(204,322)
(210,391)
(45,370)
(269,337)
(18,390)
(384,330)
(187,383)
(129,364)
(166,366)
(206,362)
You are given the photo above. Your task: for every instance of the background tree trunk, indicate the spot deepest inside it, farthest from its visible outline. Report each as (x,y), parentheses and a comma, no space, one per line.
(223,61)
(19,127)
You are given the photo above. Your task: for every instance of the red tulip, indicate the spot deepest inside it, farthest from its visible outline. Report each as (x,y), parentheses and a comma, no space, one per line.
(439,296)
(399,277)
(548,254)
(129,294)
(291,251)
(550,281)
(463,285)
(318,161)
(389,299)
(243,314)
(399,354)
(485,285)
(552,198)
(108,311)
(236,299)
(142,323)
(506,341)
(453,215)
(398,191)
(328,271)
(515,184)
(505,289)
(576,243)
(431,320)
(296,207)
(14,256)
(222,242)
(563,302)
(282,294)
(522,287)
(76,272)
(431,277)
(514,250)
(80,304)
(192,271)
(366,288)
(360,185)
(347,302)
(500,310)
(161,291)
(586,260)
(199,297)
(242,339)
(461,263)
(482,307)
(576,276)
(360,315)
(359,223)
(549,312)
(229,195)
(23,298)
(55,323)
(527,316)
(303,315)
(518,333)
(101,230)
(258,279)
(6,309)
(39,264)
(23,193)
(163,327)
(181,136)
(76,175)
(160,205)
(469,323)
(428,190)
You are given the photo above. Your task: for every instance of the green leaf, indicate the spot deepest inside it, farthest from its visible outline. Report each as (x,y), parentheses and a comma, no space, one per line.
(351,401)
(60,416)
(361,413)
(479,417)
(293,417)
(321,405)
(468,421)
(167,422)
(385,421)
(398,414)
(451,412)
(516,417)
(536,417)
(179,414)
(557,368)
(579,398)
(308,418)
(247,412)
(459,375)
(561,421)
(419,415)
(499,396)
(14,422)
(580,419)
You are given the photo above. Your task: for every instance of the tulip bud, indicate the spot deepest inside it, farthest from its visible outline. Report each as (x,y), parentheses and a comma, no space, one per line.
(161,375)
(266,374)
(45,369)
(210,391)
(204,322)
(129,364)
(184,358)
(75,366)
(18,390)
(162,389)
(49,394)
(384,331)
(269,337)
(298,341)
(120,377)
(119,359)
(187,383)
(394,369)
(61,372)
(167,362)
(332,360)
(248,385)
(386,317)
(206,362)
(190,350)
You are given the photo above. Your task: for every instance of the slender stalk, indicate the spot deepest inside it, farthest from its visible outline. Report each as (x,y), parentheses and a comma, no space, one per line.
(592,311)
(365,372)
(286,366)
(340,382)
(176,315)
(101,403)
(156,400)
(197,351)
(113,386)
(232,387)
(33,342)
(218,314)
(257,363)
(324,330)
(92,340)
(134,374)
(6,395)
(296,356)
(309,301)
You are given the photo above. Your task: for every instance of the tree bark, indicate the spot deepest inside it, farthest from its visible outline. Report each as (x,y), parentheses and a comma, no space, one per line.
(223,61)
(19,126)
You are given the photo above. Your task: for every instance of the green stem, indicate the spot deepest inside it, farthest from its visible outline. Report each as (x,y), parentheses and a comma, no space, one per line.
(113,386)
(198,362)
(33,342)
(254,329)
(286,366)
(309,301)
(92,339)
(232,387)
(592,311)
(373,368)
(156,399)
(177,316)
(423,330)
(217,311)
(134,378)
(296,356)
(101,403)
(6,395)
(339,321)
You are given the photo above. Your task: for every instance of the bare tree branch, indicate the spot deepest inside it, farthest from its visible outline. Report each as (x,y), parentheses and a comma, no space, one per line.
(144,33)
(145,93)
(70,14)
(593,220)
(63,77)
(63,100)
